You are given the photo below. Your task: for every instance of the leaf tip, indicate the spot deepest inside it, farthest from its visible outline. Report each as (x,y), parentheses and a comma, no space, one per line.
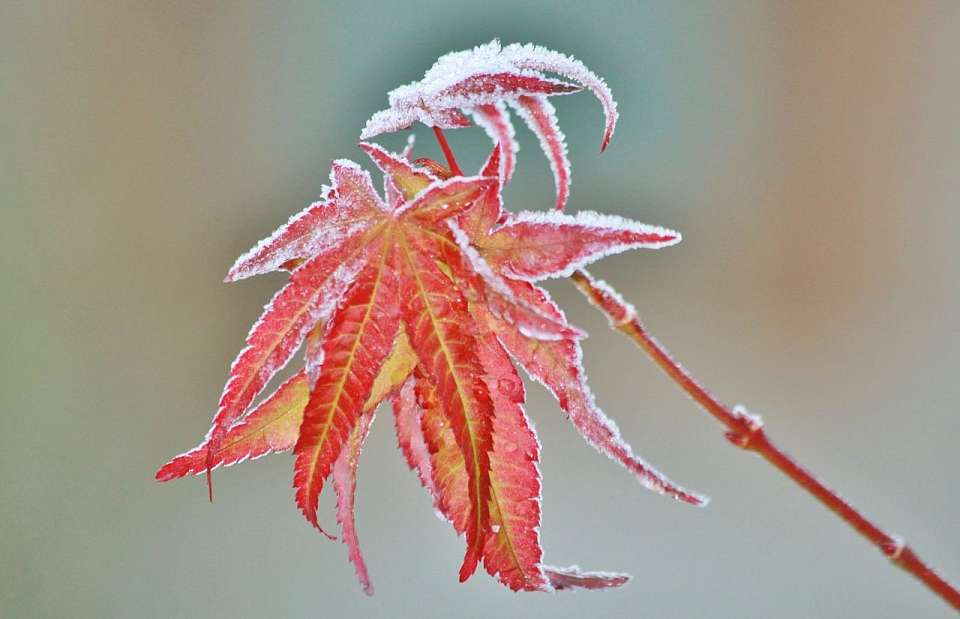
(570,578)
(691,498)
(470,562)
(164,473)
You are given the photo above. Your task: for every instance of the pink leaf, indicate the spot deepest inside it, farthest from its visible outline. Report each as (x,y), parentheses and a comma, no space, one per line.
(387,121)
(447,198)
(557,365)
(401,176)
(310,296)
(447,118)
(355,190)
(357,341)
(498,295)
(562,578)
(408,421)
(495,120)
(492,87)
(272,426)
(345,486)
(440,329)
(512,551)
(478,222)
(538,58)
(466,79)
(537,245)
(450,480)
(312,231)
(541,117)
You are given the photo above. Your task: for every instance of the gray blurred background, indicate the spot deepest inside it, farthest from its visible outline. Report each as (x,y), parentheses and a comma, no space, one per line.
(809,152)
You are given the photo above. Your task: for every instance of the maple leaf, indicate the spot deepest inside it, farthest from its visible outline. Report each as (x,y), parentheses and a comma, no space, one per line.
(396,297)
(479,82)
(533,246)
(428,297)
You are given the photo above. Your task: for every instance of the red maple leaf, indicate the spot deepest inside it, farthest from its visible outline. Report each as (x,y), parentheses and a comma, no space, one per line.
(479,82)
(428,297)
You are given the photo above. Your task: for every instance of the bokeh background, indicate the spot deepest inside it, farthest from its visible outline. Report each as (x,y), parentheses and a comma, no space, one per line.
(809,152)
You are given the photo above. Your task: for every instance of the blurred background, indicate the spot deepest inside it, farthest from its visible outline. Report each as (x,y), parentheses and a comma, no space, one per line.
(809,152)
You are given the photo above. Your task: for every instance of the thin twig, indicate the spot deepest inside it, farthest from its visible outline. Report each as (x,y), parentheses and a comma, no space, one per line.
(746,431)
(451,160)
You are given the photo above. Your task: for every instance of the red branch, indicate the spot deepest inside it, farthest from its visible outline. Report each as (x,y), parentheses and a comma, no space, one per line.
(746,431)
(451,160)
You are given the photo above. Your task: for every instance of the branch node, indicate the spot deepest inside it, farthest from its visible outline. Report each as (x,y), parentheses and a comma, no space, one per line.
(894,548)
(750,426)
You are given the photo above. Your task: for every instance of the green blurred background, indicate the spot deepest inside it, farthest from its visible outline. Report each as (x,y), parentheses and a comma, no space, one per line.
(809,152)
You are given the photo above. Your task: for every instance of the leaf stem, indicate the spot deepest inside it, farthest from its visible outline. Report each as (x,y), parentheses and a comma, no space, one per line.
(451,160)
(746,431)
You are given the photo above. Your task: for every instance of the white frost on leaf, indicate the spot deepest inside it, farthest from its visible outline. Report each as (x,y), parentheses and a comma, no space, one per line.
(572,577)
(566,378)
(589,252)
(312,231)
(344,475)
(408,149)
(387,121)
(354,187)
(505,304)
(542,59)
(495,120)
(486,75)
(437,187)
(541,118)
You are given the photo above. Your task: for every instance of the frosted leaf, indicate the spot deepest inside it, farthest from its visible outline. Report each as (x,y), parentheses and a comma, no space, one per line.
(495,120)
(408,149)
(558,366)
(447,196)
(271,427)
(445,118)
(488,88)
(502,301)
(358,340)
(562,578)
(314,230)
(541,117)
(485,75)
(407,416)
(535,245)
(309,297)
(387,121)
(479,220)
(354,187)
(401,177)
(345,485)
(391,192)
(513,551)
(542,59)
